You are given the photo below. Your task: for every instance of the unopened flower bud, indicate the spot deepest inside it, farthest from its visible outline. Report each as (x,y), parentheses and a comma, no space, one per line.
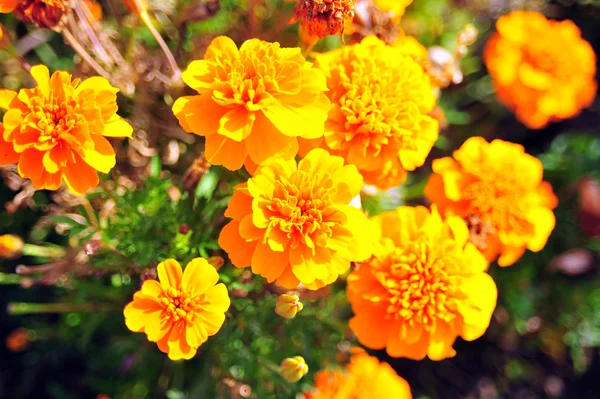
(10,246)
(288,305)
(216,261)
(293,368)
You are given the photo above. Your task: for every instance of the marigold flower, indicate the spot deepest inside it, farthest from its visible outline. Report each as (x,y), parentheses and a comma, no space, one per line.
(396,8)
(56,131)
(378,121)
(292,222)
(255,101)
(292,369)
(43,13)
(10,246)
(365,378)
(181,311)
(288,305)
(498,190)
(322,18)
(424,286)
(542,69)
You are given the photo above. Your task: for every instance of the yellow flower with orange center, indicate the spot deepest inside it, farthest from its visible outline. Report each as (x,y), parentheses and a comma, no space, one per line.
(57,130)
(43,13)
(292,222)
(424,286)
(181,311)
(253,102)
(498,190)
(378,121)
(364,378)
(542,69)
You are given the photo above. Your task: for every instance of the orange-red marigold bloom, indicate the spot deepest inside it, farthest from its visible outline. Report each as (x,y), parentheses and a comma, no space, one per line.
(43,13)
(292,222)
(424,286)
(364,378)
(542,69)
(56,131)
(322,18)
(378,121)
(498,190)
(253,102)
(181,311)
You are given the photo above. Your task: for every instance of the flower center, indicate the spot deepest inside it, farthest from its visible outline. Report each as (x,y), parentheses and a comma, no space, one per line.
(421,288)
(303,210)
(180,306)
(54,120)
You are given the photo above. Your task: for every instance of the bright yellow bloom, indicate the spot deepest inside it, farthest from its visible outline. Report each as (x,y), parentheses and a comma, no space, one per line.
(542,69)
(56,131)
(498,190)
(424,286)
(181,311)
(292,222)
(292,369)
(378,121)
(365,378)
(396,8)
(288,305)
(253,102)
(10,246)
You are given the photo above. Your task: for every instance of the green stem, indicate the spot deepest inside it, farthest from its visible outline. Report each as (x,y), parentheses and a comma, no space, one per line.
(8,279)
(163,45)
(47,252)
(22,308)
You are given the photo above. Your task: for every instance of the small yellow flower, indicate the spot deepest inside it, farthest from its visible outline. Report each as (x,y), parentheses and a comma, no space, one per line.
(10,246)
(293,368)
(288,305)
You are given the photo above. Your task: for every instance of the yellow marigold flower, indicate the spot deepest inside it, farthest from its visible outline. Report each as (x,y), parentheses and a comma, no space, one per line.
(498,190)
(396,8)
(293,368)
(322,18)
(288,305)
(56,131)
(43,13)
(378,121)
(365,378)
(542,69)
(255,101)
(181,311)
(292,222)
(424,286)
(10,246)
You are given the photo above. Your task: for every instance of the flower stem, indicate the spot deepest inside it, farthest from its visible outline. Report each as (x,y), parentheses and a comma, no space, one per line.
(91,32)
(47,252)
(163,45)
(9,279)
(21,308)
(83,53)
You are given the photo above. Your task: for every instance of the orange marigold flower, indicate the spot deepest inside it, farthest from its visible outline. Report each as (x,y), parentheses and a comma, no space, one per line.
(43,13)
(10,246)
(320,18)
(498,190)
(378,121)
(424,286)
(292,222)
(181,311)
(56,131)
(542,69)
(255,101)
(365,378)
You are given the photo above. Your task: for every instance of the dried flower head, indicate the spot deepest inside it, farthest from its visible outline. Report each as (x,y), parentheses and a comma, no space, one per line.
(292,369)
(322,18)
(253,103)
(498,190)
(424,286)
(364,378)
(57,130)
(288,305)
(181,311)
(542,69)
(10,246)
(43,13)
(379,118)
(292,222)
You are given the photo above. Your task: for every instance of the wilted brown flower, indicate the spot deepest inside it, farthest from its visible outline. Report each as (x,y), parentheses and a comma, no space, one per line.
(43,13)
(324,17)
